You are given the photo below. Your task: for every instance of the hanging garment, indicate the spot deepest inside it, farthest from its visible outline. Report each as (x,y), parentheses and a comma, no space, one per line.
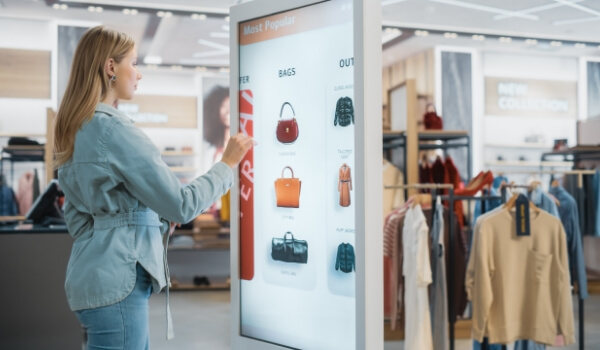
(543,201)
(596,214)
(521,284)
(460,259)
(8,202)
(569,216)
(345,259)
(345,185)
(392,264)
(392,198)
(417,277)
(438,293)
(25,192)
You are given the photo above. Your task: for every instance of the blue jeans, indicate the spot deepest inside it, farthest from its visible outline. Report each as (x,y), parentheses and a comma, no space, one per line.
(120,326)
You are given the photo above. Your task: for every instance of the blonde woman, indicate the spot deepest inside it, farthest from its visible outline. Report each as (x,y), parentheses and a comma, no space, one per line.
(121,200)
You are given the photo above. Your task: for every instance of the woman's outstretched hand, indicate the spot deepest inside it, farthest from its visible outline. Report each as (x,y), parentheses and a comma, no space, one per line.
(236,149)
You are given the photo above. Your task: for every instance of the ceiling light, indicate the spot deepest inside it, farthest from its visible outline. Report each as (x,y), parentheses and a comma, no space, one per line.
(168,14)
(227,18)
(202,16)
(176,67)
(421,33)
(580,45)
(200,69)
(224,70)
(56,6)
(64,7)
(555,43)
(126,11)
(450,35)
(134,12)
(505,39)
(151,66)
(160,13)
(194,16)
(99,9)
(91,8)
(478,37)
(531,42)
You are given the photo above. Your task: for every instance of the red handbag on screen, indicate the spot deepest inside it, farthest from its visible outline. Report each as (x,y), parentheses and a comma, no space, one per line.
(431,119)
(287,129)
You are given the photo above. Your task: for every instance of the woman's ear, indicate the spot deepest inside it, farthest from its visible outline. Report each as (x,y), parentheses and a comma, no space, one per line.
(109,67)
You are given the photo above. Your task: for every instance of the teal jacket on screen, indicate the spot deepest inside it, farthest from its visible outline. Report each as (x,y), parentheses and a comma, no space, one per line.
(119,199)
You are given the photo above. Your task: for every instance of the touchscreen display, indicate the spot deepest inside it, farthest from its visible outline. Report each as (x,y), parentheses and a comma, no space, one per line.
(297,202)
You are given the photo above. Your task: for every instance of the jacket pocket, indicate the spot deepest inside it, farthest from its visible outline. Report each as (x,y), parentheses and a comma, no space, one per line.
(542,264)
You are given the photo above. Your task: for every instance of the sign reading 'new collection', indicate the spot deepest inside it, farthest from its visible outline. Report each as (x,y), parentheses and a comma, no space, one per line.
(530,98)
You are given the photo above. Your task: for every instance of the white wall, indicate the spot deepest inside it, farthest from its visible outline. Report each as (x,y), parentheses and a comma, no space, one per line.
(513,130)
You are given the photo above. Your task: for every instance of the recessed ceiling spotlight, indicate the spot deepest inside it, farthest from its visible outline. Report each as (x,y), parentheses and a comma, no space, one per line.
(450,35)
(56,6)
(580,45)
(151,66)
(64,7)
(126,11)
(224,70)
(133,12)
(531,42)
(90,8)
(194,16)
(160,13)
(421,33)
(227,18)
(202,17)
(176,67)
(478,37)
(200,69)
(555,43)
(168,14)
(505,39)
(99,9)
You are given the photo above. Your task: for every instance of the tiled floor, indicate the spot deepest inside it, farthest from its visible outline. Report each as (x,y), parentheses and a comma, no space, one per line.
(202,321)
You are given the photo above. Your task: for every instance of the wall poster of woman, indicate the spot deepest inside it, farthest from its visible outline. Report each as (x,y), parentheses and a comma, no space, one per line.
(215,116)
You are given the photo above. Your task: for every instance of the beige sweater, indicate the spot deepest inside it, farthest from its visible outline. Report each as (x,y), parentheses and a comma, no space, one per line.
(520,286)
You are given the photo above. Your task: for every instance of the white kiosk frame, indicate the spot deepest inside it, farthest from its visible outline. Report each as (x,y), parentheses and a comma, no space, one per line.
(368,168)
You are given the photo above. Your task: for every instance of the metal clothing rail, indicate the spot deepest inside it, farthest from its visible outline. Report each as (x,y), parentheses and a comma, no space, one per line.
(579,199)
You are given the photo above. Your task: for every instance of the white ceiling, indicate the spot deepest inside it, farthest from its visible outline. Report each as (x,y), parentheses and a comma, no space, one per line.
(182,40)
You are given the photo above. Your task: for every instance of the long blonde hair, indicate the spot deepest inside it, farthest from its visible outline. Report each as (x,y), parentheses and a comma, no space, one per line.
(88,84)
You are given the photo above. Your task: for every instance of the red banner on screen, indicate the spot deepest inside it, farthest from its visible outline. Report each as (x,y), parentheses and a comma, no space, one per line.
(246,192)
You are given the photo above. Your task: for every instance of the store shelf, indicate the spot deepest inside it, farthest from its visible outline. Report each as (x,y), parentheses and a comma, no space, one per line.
(519,145)
(520,163)
(12,134)
(189,286)
(177,154)
(182,169)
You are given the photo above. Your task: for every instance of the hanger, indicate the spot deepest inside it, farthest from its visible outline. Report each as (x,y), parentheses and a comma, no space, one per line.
(555,183)
(511,203)
(420,198)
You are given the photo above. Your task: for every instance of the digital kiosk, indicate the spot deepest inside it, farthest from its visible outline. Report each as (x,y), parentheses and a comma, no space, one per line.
(306,227)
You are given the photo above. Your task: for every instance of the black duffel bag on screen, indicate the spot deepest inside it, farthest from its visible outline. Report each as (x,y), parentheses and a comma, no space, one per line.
(289,249)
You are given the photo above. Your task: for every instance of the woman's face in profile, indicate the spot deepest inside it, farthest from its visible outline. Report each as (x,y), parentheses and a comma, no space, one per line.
(224,111)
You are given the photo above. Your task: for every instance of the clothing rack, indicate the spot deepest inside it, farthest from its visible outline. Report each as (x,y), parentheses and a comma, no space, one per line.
(450,197)
(579,199)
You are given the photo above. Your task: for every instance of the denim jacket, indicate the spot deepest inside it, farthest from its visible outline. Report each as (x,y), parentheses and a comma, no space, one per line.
(119,199)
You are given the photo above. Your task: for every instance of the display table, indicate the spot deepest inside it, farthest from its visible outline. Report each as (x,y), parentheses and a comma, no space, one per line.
(35,313)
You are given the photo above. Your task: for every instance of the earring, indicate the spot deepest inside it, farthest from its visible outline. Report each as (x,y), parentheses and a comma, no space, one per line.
(113,78)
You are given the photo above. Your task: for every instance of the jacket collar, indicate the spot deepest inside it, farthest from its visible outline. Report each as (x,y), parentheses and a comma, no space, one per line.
(110,110)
